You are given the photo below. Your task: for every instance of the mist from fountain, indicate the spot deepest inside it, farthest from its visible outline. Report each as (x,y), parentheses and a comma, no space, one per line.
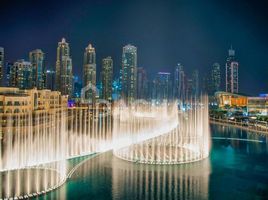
(171,136)
(38,144)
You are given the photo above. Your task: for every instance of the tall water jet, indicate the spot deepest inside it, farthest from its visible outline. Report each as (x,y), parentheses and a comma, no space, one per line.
(170,136)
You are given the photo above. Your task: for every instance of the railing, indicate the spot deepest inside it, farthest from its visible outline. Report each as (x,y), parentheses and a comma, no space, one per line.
(248,126)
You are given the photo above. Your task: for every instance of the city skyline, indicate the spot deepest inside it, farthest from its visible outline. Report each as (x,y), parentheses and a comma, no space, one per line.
(197,43)
(133,99)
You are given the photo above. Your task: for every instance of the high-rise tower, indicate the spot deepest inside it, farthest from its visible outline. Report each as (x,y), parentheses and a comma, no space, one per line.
(89,74)
(37,58)
(215,77)
(107,78)
(195,86)
(21,75)
(142,83)
(231,72)
(129,73)
(64,71)
(1,65)
(162,86)
(179,88)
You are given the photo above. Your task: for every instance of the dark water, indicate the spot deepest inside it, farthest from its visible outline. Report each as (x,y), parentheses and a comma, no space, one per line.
(236,169)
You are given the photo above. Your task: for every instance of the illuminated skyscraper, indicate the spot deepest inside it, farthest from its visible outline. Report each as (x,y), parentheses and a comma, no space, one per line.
(195,83)
(89,74)
(215,77)
(231,72)
(77,87)
(21,75)
(189,87)
(107,78)
(50,79)
(37,58)
(179,87)
(129,73)
(162,86)
(1,65)
(8,68)
(142,83)
(64,71)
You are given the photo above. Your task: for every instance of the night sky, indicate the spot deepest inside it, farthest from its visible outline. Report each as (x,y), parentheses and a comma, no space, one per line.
(194,33)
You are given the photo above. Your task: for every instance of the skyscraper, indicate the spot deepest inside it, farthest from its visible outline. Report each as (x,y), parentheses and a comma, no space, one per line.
(107,78)
(64,71)
(195,83)
(37,58)
(129,73)
(215,77)
(189,87)
(116,89)
(179,87)
(89,74)
(1,65)
(142,83)
(21,75)
(231,72)
(162,86)
(50,79)
(8,68)
(77,87)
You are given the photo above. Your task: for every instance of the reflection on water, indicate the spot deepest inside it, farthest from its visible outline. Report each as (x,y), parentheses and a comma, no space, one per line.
(139,181)
(236,169)
(253,146)
(128,180)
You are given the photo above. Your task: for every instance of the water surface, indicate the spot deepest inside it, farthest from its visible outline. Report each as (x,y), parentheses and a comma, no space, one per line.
(236,169)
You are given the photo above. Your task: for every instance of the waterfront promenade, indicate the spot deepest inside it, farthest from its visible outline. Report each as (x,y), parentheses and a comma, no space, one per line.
(248,126)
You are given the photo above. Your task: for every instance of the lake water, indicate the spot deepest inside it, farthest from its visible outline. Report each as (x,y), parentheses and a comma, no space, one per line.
(236,169)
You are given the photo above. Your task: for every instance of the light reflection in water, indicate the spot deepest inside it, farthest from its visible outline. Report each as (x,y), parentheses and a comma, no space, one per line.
(129,180)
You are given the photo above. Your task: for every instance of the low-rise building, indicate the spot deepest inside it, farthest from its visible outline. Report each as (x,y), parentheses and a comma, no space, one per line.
(253,105)
(227,99)
(28,108)
(15,100)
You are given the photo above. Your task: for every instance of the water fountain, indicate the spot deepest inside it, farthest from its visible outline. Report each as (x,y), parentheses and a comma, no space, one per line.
(38,144)
(170,136)
(35,146)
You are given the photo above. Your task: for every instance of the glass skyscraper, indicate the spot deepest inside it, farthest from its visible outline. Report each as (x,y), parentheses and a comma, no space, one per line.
(89,74)
(129,73)
(162,86)
(37,58)
(1,65)
(21,75)
(231,72)
(64,71)
(107,78)
(179,88)
(215,77)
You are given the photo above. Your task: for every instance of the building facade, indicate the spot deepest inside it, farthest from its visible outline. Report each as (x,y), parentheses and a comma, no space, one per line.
(64,71)
(162,87)
(17,101)
(129,73)
(257,105)
(2,61)
(231,73)
(142,83)
(107,78)
(89,74)
(50,79)
(195,83)
(37,59)
(179,88)
(21,75)
(216,77)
